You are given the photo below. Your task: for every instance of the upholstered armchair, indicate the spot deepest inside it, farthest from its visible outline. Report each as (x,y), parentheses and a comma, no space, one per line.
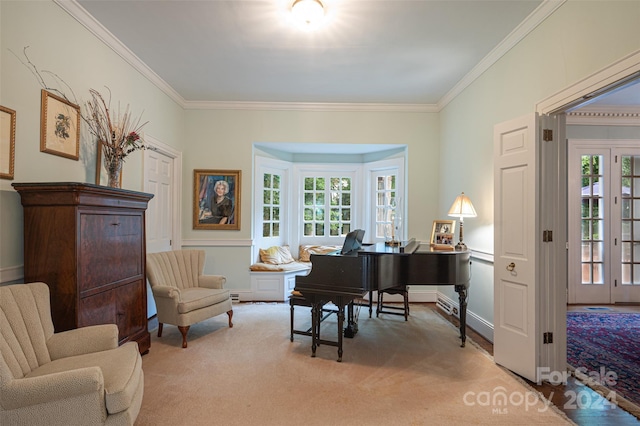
(183,295)
(75,377)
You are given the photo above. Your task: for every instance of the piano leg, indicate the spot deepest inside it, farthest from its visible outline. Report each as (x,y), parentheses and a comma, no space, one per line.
(462,299)
(315,326)
(352,326)
(340,325)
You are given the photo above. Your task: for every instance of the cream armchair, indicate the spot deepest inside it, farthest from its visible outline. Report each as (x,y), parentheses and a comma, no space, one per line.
(76,377)
(183,295)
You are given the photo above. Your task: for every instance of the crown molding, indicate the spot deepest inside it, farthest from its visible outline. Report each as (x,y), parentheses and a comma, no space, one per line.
(312,106)
(605,115)
(80,14)
(542,12)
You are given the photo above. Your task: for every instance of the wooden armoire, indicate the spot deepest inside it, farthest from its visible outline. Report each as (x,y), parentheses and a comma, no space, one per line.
(87,242)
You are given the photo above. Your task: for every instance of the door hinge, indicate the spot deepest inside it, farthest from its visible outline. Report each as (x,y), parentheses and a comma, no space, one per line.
(547,337)
(547,236)
(547,135)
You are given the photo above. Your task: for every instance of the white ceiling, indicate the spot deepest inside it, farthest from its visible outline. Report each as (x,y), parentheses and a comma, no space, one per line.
(401,52)
(367,51)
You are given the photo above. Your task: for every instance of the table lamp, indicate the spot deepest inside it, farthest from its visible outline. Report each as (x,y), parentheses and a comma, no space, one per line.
(462,208)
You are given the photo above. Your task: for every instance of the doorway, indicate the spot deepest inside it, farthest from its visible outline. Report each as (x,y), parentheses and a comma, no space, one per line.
(604,221)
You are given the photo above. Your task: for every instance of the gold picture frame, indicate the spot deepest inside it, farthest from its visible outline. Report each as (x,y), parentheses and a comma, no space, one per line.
(7,142)
(101,172)
(442,234)
(59,126)
(212,210)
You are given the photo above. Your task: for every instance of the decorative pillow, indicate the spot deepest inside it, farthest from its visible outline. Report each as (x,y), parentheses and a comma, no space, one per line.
(307,250)
(276,255)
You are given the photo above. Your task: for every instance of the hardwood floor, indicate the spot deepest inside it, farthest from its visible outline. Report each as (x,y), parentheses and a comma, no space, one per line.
(596,412)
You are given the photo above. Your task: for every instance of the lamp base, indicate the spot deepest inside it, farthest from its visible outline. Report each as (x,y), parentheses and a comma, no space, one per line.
(461,246)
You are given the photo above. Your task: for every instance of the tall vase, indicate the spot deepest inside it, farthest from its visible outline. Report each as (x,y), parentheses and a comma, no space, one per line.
(113,167)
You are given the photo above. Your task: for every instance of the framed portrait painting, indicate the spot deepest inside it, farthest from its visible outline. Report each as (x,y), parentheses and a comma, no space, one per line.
(216,199)
(59,126)
(442,234)
(7,142)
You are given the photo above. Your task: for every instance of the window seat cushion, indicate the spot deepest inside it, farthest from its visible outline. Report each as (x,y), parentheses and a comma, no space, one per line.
(285,267)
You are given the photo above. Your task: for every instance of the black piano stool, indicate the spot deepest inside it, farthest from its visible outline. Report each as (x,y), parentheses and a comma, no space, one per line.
(392,309)
(297,300)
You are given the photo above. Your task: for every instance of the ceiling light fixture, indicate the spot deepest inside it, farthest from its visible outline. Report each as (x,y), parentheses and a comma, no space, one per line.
(307,11)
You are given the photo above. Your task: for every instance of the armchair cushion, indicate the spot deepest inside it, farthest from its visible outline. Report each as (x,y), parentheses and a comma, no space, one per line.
(121,369)
(197,298)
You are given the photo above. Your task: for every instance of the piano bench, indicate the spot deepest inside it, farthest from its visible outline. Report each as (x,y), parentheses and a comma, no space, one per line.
(295,300)
(391,309)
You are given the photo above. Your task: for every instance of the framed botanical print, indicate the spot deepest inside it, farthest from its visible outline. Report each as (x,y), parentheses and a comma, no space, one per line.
(7,142)
(216,199)
(59,126)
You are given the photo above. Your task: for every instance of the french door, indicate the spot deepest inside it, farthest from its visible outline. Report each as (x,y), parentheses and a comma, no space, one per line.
(604,222)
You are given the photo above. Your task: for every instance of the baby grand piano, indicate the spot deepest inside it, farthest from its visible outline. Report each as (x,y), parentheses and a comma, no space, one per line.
(341,278)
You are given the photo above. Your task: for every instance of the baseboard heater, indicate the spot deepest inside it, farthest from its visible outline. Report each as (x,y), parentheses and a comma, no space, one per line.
(235,298)
(444,305)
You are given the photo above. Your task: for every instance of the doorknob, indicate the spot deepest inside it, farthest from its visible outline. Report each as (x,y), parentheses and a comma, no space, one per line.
(511,267)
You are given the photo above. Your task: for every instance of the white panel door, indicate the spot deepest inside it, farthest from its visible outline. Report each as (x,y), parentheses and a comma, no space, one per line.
(516,346)
(158,181)
(159,169)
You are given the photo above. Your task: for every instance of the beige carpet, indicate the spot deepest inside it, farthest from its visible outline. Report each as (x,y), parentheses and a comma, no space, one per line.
(393,372)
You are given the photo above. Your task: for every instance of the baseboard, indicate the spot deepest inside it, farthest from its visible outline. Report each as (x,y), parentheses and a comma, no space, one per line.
(11,274)
(477,323)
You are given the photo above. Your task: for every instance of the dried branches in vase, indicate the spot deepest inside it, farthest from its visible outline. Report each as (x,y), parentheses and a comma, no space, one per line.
(117,136)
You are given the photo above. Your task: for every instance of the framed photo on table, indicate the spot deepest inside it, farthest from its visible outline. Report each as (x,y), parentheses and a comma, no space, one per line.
(216,199)
(59,126)
(442,234)
(7,142)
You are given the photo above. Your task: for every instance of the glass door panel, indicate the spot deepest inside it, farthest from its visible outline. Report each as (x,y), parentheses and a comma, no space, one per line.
(628,283)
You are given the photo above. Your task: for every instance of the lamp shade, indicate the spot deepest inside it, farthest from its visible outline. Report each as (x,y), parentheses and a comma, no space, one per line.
(462,207)
(307,11)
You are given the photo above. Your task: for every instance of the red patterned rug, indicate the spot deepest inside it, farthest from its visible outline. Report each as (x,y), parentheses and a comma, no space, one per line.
(607,345)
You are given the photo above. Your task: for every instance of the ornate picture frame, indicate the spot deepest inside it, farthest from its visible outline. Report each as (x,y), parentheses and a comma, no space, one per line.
(59,126)
(216,199)
(442,234)
(7,142)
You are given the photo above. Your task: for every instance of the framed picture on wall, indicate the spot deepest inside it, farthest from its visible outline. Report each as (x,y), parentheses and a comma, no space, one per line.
(216,199)
(7,142)
(59,126)
(442,234)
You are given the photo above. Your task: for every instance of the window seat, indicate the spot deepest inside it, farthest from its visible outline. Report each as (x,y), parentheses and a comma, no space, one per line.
(273,277)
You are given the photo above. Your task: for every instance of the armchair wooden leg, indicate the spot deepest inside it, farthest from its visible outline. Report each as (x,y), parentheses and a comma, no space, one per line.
(184,331)
(160,329)
(230,313)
